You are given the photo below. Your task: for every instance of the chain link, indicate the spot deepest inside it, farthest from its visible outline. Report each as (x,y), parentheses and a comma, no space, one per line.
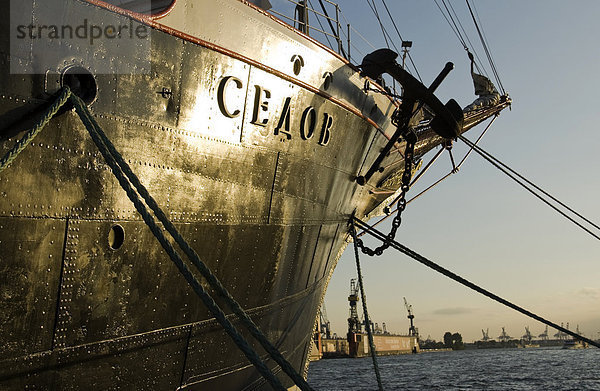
(411,140)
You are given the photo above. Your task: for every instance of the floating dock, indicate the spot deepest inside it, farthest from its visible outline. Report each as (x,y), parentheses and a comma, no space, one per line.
(358,346)
(385,344)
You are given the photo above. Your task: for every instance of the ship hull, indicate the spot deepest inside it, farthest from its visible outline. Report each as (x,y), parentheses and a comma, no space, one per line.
(90,299)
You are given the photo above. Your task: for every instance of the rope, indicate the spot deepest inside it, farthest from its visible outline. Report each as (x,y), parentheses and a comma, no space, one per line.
(487,45)
(480,70)
(364,305)
(400,36)
(374,9)
(321,24)
(99,139)
(124,175)
(20,145)
(359,34)
(485,48)
(456,32)
(202,268)
(333,30)
(524,182)
(432,265)
(455,28)
(443,178)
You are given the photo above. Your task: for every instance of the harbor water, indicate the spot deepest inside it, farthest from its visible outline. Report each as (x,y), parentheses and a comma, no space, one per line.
(484,369)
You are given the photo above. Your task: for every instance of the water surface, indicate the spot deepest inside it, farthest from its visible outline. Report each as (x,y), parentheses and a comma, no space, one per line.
(485,369)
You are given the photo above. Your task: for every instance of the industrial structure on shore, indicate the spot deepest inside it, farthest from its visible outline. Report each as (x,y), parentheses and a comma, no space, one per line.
(543,339)
(356,343)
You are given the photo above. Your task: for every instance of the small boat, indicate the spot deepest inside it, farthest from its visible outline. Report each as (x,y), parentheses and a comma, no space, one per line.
(574,344)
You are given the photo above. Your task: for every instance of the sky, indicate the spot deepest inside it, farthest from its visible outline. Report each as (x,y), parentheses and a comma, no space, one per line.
(478,223)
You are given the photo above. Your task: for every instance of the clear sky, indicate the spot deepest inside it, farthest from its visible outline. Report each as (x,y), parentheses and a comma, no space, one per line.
(479,223)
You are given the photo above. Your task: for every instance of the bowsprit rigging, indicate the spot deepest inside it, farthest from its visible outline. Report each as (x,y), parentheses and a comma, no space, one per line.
(453,20)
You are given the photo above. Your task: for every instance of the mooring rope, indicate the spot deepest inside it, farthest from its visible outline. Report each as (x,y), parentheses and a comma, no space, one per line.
(20,145)
(124,175)
(528,185)
(364,305)
(208,301)
(432,265)
(204,270)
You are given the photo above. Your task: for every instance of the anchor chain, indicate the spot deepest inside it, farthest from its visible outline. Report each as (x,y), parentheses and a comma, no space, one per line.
(411,139)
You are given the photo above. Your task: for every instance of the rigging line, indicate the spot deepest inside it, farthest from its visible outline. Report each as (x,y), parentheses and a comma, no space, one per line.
(458,35)
(342,31)
(479,70)
(455,28)
(401,39)
(420,174)
(359,34)
(386,34)
(409,201)
(459,24)
(432,265)
(456,32)
(398,51)
(482,151)
(363,38)
(481,24)
(439,180)
(391,41)
(487,127)
(358,50)
(333,30)
(321,24)
(507,170)
(486,49)
(374,9)
(449,24)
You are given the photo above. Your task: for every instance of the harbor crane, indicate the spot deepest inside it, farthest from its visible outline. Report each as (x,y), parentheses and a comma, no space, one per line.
(486,335)
(560,335)
(377,329)
(354,324)
(412,331)
(527,337)
(324,322)
(544,335)
(504,337)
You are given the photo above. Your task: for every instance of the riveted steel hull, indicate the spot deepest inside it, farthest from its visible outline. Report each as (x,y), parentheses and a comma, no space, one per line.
(265,207)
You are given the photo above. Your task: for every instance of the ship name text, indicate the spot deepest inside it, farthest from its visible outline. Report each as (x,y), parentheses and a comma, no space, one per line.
(310,121)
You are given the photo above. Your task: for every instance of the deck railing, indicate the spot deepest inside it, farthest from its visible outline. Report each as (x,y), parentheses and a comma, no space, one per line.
(309,20)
